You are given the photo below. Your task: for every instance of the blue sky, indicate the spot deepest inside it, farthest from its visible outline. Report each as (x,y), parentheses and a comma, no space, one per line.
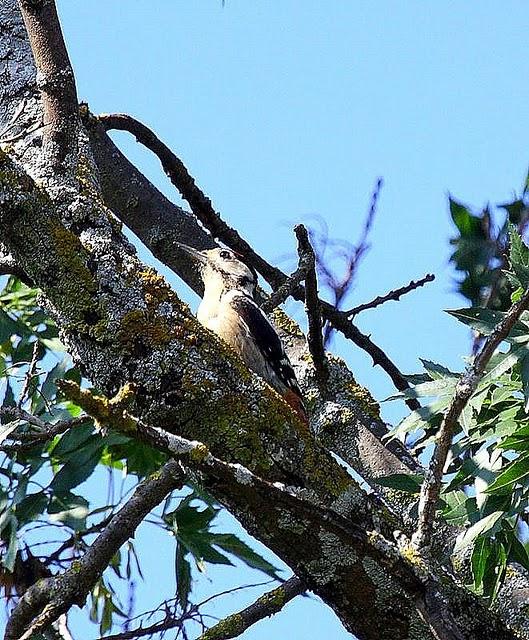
(287,110)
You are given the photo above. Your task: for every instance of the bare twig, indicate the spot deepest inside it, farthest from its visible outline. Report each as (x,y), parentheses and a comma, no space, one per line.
(49,598)
(465,387)
(55,77)
(313,308)
(232,625)
(45,430)
(268,604)
(286,289)
(352,254)
(395,294)
(203,209)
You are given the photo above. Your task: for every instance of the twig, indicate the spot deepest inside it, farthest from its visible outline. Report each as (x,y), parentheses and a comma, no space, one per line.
(313,308)
(352,254)
(55,77)
(392,295)
(268,604)
(49,598)
(45,431)
(286,289)
(29,374)
(203,209)
(465,387)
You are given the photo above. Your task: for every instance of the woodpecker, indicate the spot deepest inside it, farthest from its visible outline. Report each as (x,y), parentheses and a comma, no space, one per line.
(229,309)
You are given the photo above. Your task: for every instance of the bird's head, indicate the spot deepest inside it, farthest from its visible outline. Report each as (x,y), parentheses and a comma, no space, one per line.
(223,267)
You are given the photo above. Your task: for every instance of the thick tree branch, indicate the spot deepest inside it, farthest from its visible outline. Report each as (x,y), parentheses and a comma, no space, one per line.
(45,601)
(465,387)
(265,606)
(55,77)
(373,608)
(8,266)
(203,209)
(157,222)
(416,579)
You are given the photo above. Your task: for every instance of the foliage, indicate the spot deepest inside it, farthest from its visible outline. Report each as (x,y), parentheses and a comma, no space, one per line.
(486,483)
(50,450)
(481,247)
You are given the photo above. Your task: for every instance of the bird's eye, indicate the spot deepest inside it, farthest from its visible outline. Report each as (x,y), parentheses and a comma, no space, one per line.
(225,255)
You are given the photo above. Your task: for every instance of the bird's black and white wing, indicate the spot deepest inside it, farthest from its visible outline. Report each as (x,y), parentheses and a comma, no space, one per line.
(266,340)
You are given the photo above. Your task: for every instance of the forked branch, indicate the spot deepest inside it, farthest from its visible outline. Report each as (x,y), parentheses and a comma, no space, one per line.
(203,209)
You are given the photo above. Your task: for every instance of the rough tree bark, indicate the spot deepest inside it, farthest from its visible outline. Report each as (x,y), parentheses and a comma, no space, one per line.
(62,192)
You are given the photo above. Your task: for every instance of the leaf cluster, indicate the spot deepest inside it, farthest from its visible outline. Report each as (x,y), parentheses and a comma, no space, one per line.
(486,481)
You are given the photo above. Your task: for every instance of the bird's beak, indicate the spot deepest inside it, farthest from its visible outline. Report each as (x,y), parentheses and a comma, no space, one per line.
(198,256)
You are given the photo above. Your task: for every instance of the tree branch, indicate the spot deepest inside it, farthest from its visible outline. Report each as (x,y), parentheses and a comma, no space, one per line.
(9,267)
(320,520)
(203,209)
(44,430)
(313,308)
(157,222)
(55,77)
(267,605)
(392,295)
(46,600)
(465,387)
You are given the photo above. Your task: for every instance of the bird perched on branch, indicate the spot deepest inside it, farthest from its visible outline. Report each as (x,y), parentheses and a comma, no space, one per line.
(229,309)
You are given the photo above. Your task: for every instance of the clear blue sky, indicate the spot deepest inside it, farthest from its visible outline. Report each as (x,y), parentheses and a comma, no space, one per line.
(286,110)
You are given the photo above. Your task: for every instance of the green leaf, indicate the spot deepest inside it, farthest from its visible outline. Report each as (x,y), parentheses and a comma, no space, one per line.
(234,545)
(466,419)
(9,557)
(514,473)
(517,294)
(524,373)
(421,417)
(410,483)
(49,387)
(480,555)
(494,573)
(183,577)
(485,320)
(466,223)
(460,512)
(9,401)
(72,440)
(31,507)
(189,518)
(502,363)
(518,551)
(519,256)
(78,469)
(436,370)
(484,525)
(8,326)
(518,441)
(70,509)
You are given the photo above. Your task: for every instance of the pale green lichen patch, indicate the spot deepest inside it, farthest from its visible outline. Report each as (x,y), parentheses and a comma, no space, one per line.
(284,323)
(230,627)
(361,395)
(106,412)
(199,453)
